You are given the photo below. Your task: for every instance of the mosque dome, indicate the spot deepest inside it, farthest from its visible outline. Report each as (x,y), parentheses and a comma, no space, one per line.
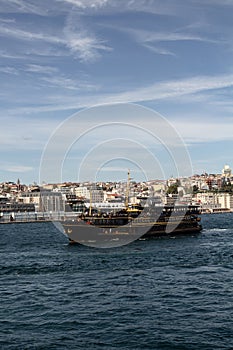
(226,171)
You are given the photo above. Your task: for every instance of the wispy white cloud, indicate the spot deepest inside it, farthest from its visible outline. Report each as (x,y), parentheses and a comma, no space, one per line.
(36,68)
(53,78)
(158,36)
(7,20)
(215,2)
(154,39)
(9,70)
(16,168)
(118,6)
(159,50)
(10,55)
(85,4)
(149,39)
(22,6)
(82,42)
(168,91)
(20,34)
(172,89)
(202,130)
(166,7)
(85,47)
(61,82)
(48,51)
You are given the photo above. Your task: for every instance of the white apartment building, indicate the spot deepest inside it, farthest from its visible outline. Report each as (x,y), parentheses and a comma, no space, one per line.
(82,191)
(225,200)
(45,201)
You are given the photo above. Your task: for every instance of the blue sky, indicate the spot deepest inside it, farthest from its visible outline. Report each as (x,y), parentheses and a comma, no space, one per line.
(58,57)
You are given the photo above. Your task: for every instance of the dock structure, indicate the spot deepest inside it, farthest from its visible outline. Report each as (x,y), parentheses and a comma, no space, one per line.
(215,210)
(20,212)
(29,217)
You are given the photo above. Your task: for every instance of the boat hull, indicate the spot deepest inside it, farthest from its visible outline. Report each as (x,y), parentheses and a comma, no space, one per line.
(84,233)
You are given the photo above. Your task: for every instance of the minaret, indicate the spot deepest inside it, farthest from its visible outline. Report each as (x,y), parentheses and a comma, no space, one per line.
(18,184)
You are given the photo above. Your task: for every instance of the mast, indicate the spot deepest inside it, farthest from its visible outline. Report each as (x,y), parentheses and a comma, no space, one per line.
(127,190)
(90,207)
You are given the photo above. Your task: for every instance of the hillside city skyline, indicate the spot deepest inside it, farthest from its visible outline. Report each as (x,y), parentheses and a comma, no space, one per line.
(212,192)
(226,172)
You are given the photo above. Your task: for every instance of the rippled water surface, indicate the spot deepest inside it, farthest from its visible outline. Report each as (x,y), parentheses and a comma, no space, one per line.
(168,293)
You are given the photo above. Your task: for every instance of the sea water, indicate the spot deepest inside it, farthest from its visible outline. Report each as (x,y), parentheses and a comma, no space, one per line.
(165,293)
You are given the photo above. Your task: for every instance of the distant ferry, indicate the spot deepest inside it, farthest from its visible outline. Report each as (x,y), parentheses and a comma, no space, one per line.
(131,223)
(135,221)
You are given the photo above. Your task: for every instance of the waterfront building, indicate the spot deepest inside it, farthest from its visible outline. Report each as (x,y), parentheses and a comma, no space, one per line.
(7,206)
(11,210)
(97,195)
(44,201)
(207,199)
(82,191)
(93,193)
(225,200)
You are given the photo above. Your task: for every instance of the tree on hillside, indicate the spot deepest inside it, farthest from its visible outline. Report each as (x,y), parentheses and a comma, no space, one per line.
(172,189)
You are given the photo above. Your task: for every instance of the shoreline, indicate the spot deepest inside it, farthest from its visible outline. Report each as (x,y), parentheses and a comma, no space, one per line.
(208,212)
(217,211)
(25,222)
